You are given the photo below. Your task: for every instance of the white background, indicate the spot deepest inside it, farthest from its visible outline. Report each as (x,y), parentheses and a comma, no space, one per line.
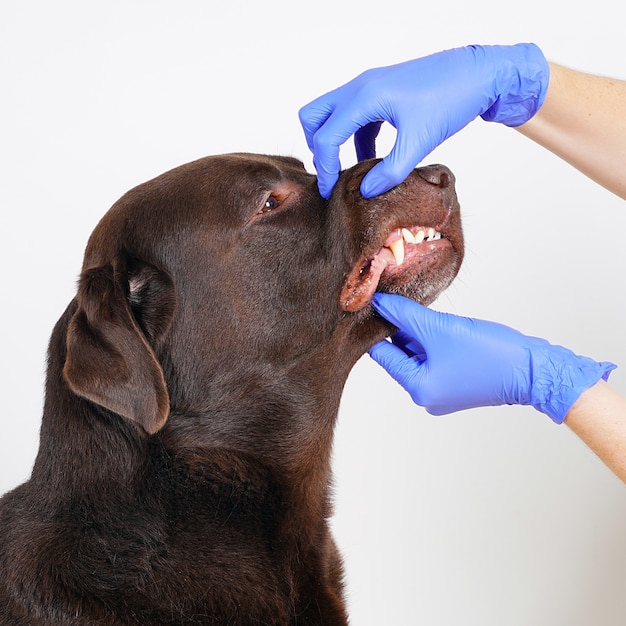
(485,518)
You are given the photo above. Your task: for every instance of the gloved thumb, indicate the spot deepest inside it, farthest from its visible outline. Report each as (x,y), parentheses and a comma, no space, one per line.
(407,315)
(396,166)
(401,367)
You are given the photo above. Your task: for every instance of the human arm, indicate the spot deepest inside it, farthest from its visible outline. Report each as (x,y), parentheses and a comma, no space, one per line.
(598,417)
(449,363)
(583,121)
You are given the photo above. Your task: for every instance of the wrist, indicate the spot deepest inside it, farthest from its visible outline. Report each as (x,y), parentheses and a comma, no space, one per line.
(520,82)
(559,377)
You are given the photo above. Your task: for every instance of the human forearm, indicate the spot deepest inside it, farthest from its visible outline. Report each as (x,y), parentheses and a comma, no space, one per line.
(583,120)
(598,417)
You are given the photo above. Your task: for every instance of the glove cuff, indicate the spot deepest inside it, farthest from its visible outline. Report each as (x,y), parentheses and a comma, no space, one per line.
(522,75)
(559,377)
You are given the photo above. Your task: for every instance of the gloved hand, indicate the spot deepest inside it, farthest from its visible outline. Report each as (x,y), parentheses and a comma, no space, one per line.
(449,363)
(427,100)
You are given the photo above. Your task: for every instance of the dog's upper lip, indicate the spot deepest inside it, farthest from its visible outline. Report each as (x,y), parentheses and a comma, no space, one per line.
(398,238)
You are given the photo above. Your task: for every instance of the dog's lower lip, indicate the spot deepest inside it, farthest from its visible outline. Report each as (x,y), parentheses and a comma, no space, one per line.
(375,271)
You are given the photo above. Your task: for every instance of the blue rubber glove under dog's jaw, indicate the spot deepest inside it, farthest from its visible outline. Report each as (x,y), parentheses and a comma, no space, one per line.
(427,100)
(449,363)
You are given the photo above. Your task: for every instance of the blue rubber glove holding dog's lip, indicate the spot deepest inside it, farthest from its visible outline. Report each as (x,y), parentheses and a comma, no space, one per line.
(427,100)
(449,363)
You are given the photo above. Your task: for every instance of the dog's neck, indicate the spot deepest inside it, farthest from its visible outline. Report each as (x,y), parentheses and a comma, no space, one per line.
(285,420)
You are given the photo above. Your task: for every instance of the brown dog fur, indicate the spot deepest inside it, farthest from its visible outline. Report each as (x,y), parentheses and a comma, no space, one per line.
(193,384)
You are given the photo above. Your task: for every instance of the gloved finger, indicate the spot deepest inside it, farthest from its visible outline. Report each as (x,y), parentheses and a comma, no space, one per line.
(365,141)
(326,143)
(402,368)
(391,171)
(409,150)
(409,345)
(326,178)
(406,315)
(313,116)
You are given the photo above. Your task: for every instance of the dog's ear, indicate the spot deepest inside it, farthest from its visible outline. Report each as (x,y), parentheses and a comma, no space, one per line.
(110,359)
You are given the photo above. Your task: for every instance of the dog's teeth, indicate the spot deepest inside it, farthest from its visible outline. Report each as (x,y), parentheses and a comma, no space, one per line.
(408,236)
(397,248)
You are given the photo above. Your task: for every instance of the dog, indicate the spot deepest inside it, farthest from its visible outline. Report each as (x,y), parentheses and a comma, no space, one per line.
(192,388)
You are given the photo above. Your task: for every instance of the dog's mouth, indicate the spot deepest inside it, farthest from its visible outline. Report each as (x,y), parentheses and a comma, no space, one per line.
(406,252)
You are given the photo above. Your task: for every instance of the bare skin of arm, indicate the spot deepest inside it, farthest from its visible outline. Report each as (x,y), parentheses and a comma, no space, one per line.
(598,417)
(583,121)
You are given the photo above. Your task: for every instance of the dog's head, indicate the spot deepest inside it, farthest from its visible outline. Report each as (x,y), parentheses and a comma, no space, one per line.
(233,272)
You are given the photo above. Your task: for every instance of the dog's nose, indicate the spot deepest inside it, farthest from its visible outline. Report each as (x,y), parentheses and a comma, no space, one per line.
(438,175)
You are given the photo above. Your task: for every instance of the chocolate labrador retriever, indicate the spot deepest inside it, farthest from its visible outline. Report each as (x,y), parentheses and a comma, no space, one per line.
(193,384)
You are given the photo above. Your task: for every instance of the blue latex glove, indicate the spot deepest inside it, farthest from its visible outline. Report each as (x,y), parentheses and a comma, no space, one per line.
(427,100)
(449,363)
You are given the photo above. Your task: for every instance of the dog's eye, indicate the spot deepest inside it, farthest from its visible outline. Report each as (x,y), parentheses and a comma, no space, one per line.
(270,204)
(274,199)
